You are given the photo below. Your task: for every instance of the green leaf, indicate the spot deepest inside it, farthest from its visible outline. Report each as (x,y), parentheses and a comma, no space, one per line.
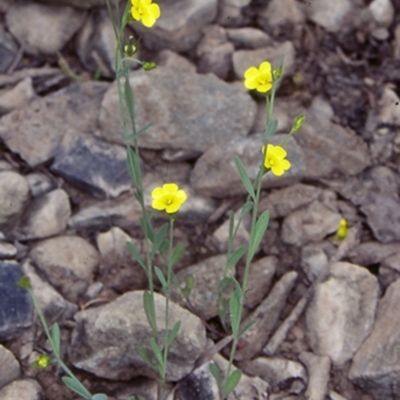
(132,167)
(149,308)
(244,177)
(234,309)
(99,396)
(140,132)
(147,228)
(177,253)
(158,238)
(173,333)
(247,207)
(189,283)
(246,328)
(232,382)
(271,128)
(236,256)
(215,373)
(24,283)
(161,277)
(129,101)
(56,339)
(76,387)
(156,351)
(136,255)
(259,230)
(144,355)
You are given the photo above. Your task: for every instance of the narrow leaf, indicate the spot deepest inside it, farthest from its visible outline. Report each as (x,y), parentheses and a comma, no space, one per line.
(140,132)
(215,373)
(177,253)
(247,207)
(271,128)
(76,387)
(130,159)
(236,256)
(246,328)
(99,396)
(136,255)
(144,356)
(189,283)
(234,309)
(158,238)
(156,351)
(173,333)
(244,177)
(149,308)
(56,338)
(129,100)
(231,224)
(232,382)
(261,226)
(161,277)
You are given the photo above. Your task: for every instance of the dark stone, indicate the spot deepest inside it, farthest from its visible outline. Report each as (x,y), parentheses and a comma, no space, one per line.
(16,309)
(95,166)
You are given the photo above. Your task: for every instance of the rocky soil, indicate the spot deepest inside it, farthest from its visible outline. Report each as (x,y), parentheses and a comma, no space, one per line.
(326,310)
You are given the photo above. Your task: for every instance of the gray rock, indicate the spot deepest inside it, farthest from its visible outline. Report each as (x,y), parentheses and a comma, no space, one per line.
(266,316)
(52,28)
(230,13)
(5,4)
(170,59)
(259,280)
(7,250)
(14,195)
(248,38)
(282,202)
(96,43)
(179,121)
(22,389)
(44,121)
(92,165)
(207,274)
(341,312)
(40,183)
(8,50)
(119,270)
(16,97)
(318,368)
(104,338)
(329,15)
(16,310)
(315,258)
(68,262)
(382,12)
(281,12)
(278,372)
(336,396)
(214,52)
(244,59)
(53,305)
(215,173)
(46,216)
(77,3)
(383,215)
(9,366)
(388,112)
(392,261)
(396,43)
(375,366)
(172,31)
(310,224)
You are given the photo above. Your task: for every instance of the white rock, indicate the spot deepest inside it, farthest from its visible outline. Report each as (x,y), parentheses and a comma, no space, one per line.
(329,14)
(16,97)
(382,11)
(22,389)
(9,366)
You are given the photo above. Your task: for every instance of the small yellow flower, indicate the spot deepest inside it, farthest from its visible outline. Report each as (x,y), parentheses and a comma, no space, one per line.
(341,233)
(42,362)
(168,197)
(259,78)
(275,159)
(145,11)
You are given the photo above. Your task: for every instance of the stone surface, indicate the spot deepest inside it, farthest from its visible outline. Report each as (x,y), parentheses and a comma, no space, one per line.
(215,173)
(96,43)
(16,311)
(53,27)
(207,274)
(248,38)
(310,224)
(9,366)
(315,258)
(318,368)
(179,26)
(178,122)
(341,313)
(17,96)
(7,250)
(46,216)
(118,269)
(22,389)
(278,372)
(281,12)
(68,262)
(104,338)
(40,183)
(382,12)
(170,59)
(244,59)
(44,121)
(8,50)
(266,316)
(53,305)
(375,366)
(77,3)
(92,165)
(14,195)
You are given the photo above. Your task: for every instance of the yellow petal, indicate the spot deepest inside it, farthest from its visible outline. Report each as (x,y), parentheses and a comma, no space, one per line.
(181,196)
(251,72)
(157,193)
(173,208)
(158,204)
(154,9)
(170,188)
(265,67)
(279,151)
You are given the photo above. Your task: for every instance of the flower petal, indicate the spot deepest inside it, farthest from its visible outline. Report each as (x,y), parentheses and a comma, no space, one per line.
(265,67)
(170,188)
(251,72)
(157,193)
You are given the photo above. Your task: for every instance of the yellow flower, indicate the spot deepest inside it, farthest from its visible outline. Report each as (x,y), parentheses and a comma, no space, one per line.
(341,233)
(42,362)
(275,159)
(259,78)
(168,197)
(145,11)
